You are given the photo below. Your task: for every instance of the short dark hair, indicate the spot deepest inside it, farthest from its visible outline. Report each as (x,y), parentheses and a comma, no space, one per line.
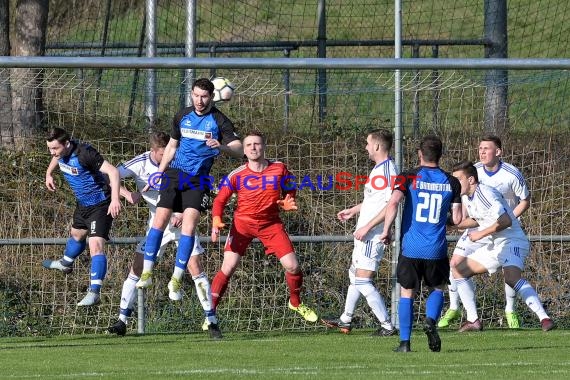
(257,133)
(58,134)
(204,84)
(159,140)
(493,138)
(384,137)
(431,148)
(466,167)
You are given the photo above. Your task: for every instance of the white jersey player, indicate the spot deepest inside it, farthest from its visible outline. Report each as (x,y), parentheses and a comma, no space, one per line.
(142,168)
(507,180)
(486,205)
(510,182)
(506,246)
(368,249)
(377,192)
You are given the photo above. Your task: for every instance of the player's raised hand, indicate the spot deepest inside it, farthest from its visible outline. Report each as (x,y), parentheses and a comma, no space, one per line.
(217,225)
(288,203)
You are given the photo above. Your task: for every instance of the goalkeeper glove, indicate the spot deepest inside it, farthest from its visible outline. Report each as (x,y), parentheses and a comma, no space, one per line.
(217,225)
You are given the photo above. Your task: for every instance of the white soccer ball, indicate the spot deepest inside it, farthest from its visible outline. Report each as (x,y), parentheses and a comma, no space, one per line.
(223,89)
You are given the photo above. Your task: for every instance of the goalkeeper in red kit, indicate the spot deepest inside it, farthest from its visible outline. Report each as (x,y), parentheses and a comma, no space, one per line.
(263,188)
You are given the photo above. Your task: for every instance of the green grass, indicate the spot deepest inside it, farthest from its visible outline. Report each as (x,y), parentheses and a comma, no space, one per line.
(492,354)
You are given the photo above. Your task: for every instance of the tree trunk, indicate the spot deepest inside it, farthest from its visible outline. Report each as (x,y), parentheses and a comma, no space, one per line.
(29,40)
(6,132)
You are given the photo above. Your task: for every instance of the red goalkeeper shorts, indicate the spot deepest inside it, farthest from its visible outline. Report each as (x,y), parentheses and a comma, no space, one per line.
(271,233)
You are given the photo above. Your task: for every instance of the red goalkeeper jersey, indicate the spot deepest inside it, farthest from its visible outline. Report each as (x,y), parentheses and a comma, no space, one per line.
(257,192)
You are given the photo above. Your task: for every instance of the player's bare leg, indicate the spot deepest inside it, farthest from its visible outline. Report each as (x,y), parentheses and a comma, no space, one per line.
(294,279)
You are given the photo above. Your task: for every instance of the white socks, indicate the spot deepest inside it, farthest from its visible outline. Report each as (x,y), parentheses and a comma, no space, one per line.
(466,290)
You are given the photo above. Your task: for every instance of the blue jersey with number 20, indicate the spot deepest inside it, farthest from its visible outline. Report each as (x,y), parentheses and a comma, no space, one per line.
(429,193)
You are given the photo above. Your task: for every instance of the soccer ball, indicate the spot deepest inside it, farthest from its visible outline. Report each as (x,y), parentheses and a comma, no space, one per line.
(223,89)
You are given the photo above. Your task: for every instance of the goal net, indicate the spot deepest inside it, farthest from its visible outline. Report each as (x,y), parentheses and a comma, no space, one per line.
(107,110)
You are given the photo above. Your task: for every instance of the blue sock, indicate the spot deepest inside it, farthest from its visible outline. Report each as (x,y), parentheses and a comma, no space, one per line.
(73,248)
(185,246)
(434,304)
(210,313)
(152,244)
(126,312)
(98,272)
(406,317)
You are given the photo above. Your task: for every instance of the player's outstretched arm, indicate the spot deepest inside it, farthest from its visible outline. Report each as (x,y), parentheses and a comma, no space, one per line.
(218,208)
(391,210)
(233,149)
(362,231)
(167,157)
(523,205)
(115,182)
(133,197)
(504,221)
(458,213)
(348,213)
(50,184)
(467,223)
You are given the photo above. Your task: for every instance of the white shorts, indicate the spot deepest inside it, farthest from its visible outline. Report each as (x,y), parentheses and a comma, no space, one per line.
(506,254)
(465,247)
(367,254)
(171,234)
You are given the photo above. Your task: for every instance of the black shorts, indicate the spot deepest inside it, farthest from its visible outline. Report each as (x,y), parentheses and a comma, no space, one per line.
(184,192)
(411,272)
(94,219)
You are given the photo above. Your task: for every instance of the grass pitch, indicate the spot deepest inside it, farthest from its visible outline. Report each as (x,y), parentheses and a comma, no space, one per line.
(492,354)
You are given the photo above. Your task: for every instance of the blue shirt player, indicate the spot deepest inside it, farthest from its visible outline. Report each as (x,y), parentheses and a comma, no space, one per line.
(95,184)
(429,194)
(199,134)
